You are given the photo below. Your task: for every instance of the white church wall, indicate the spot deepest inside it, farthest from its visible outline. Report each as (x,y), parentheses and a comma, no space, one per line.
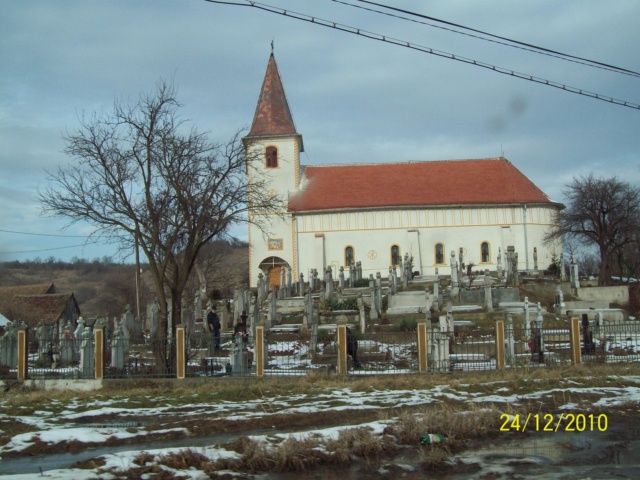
(372,234)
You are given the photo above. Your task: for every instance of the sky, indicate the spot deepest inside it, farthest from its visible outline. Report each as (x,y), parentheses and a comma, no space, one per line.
(354,100)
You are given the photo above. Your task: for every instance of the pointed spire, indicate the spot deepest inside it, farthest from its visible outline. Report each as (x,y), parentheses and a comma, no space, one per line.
(272,116)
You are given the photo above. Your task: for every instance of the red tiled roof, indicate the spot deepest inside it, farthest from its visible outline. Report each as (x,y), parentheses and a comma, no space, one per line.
(273,116)
(488,181)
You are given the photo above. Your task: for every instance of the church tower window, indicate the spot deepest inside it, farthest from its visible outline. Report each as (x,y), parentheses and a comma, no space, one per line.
(348,256)
(485,254)
(439,254)
(271,155)
(396,259)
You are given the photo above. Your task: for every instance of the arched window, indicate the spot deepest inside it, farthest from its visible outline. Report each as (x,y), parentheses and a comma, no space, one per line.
(396,259)
(485,254)
(271,154)
(439,254)
(348,256)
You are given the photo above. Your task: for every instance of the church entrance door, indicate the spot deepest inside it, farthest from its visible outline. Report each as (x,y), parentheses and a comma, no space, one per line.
(274,276)
(273,267)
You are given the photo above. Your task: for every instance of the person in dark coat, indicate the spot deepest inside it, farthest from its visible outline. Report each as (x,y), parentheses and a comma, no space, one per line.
(352,347)
(213,322)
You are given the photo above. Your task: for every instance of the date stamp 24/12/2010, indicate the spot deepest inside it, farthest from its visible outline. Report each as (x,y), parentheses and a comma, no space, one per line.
(548,422)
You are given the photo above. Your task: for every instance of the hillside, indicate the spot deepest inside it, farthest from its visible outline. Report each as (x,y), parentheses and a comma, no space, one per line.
(103,287)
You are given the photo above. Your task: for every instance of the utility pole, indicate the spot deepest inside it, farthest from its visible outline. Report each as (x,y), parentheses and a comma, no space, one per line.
(138,282)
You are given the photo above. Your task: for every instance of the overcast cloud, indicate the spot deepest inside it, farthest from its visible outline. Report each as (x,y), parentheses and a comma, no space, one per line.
(354,100)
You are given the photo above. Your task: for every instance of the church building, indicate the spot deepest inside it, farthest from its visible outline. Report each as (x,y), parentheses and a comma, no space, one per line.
(376,213)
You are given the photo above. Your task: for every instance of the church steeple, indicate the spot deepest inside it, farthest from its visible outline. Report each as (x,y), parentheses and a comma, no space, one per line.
(273,116)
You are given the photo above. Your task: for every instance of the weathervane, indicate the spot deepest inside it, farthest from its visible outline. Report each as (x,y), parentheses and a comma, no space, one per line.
(272,46)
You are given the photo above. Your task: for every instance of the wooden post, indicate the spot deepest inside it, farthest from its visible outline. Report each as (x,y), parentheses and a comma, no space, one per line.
(181,352)
(422,346)
(99,341)
(574,341)
(23,353)
(342,349)
(500,357)
(259,351)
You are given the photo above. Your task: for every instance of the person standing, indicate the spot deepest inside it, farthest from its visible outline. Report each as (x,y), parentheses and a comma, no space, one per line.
(241,327)
(352,347)
(213,322)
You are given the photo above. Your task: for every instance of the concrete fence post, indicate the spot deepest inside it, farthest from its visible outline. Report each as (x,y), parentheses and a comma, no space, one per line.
(181,352)
(500,353)
(574,341)
(23,353)
(99,340)
(421,331)
(259,352)
(341,332)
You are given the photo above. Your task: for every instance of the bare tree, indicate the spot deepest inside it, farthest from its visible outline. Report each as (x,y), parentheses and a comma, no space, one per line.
(603,213)
(142,175)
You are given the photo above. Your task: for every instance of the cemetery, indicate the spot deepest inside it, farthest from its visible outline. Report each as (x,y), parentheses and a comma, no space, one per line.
(401,322)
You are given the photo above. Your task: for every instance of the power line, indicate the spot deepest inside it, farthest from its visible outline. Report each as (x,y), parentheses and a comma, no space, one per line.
(431,51)
(45,234)
(48,249)
(537,49)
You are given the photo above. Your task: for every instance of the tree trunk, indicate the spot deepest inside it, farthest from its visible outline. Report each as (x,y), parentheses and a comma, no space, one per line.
(604,274)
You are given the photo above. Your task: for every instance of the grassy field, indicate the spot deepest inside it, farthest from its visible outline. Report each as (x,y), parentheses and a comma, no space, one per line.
(465,408)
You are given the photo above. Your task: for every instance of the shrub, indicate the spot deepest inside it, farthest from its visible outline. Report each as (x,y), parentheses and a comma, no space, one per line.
(335,303)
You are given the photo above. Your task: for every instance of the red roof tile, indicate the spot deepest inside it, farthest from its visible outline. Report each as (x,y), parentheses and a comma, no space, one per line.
(273,116)
(450,182)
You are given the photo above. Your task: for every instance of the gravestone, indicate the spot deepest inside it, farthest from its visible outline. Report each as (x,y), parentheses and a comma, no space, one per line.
(363,315)
(353,275)
(9,346)
(538,338)
(526,322)
(239,305)
(87,354)
(378,298)
(329,283)
(155,308)
(272,317)
(487,291)
(261,290)
(308,311)
(78,334)
(535,258)
(43,336)
(130,322)
(373,313)
(341,278)
(67,347)
(239,357)
(499,265)
(510,341)
(455,286)
(255,319)
(118,346)
(300,288)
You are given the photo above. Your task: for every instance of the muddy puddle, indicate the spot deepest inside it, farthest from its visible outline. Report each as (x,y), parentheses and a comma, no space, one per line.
(614,453)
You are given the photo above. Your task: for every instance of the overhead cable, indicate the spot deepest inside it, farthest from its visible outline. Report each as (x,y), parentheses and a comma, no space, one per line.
(501,40)
(530,47)
(428,50)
